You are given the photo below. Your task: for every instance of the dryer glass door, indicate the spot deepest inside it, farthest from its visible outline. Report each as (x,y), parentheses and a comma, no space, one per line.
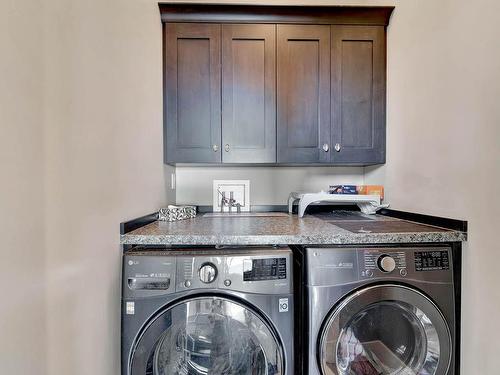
(385,329)
(208,335)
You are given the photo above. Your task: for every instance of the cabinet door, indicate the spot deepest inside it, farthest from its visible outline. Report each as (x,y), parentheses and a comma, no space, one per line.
(303,93)
(249,93)
(358,94)
(192,93)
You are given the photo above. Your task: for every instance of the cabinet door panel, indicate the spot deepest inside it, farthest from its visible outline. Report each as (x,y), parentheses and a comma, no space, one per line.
(192,93)
(303,93)
(358,94)
(249,93)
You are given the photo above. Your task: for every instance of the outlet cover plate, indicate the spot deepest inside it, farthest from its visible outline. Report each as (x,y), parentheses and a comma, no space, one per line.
(241,190)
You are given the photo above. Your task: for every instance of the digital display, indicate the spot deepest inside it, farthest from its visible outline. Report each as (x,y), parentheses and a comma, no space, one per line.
(264,269)
(431,261)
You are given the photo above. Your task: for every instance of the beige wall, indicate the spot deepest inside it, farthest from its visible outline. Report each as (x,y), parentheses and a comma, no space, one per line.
(268,185)
(81,151)
(22,276)
(103,142)
(443,152)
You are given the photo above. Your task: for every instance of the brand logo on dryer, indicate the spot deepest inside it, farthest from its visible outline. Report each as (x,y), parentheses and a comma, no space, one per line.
(283,304)
(342,265)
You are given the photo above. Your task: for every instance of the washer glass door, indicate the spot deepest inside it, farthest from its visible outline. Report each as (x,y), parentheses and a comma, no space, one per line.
(208,335)
(385,329)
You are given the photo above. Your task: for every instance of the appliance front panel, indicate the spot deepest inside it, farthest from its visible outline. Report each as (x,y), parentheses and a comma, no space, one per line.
(208,335)
(264,271)
(345,265)
(385,329)
(148,276)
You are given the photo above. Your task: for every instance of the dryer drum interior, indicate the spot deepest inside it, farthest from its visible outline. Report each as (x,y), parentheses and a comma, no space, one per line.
(205,336)
(385,329)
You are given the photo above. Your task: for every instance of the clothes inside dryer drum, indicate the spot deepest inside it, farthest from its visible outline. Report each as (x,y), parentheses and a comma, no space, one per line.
(216,336)
(385,338)
(366,336)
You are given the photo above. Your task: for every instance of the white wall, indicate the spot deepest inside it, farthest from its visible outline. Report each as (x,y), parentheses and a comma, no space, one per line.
(22,276)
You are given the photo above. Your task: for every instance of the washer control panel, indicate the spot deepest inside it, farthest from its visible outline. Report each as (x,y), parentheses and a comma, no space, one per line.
(148,283)
(252,270)
(264,269)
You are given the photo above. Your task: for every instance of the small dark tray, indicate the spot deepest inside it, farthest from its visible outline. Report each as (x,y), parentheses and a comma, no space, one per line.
(389,226)
(344,215)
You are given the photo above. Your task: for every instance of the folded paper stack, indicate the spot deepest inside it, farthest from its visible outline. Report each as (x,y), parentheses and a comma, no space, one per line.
(357,189)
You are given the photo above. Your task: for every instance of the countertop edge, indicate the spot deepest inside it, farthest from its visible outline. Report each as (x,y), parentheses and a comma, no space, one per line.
(365,238)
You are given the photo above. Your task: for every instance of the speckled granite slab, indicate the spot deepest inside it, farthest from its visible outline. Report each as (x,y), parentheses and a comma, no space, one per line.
(287,230)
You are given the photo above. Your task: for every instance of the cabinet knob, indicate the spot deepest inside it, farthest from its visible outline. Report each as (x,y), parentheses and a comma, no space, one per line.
(326,147)
(215,148)
(337,147)
(226,147)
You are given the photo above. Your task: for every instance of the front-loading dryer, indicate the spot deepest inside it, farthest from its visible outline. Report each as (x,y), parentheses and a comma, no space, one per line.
(377,311)
(207,312)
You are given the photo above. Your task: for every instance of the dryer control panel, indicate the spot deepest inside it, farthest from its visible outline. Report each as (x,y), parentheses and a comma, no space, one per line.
(405,263)
(432,260)
(384,261)
(341,265)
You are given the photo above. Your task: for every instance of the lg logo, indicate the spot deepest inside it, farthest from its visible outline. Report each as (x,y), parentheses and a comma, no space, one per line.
(283,305)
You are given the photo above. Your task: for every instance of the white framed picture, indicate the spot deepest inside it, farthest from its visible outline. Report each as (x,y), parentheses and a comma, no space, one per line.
(240,190)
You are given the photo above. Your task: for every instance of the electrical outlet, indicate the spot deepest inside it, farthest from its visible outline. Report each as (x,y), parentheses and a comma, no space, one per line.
(241,193)
(172,181)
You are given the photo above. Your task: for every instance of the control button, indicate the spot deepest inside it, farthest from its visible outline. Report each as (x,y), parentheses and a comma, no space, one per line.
(386,263)
(207,273)
(403,272)
(369,273)
(187,283)
(227,282)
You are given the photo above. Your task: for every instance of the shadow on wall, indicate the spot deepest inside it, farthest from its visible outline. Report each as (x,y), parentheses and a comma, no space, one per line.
(268,185)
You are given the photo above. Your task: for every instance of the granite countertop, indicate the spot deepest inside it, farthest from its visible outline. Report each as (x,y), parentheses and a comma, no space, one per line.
(288,230)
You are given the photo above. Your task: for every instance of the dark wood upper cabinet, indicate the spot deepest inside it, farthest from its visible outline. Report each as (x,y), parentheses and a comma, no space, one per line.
(358,94)
(249,93)
(254,84)
(276,14)
(192,109)
(303,93)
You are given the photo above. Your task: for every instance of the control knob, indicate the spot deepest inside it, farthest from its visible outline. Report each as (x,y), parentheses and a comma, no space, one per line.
(207,273)
(386,263)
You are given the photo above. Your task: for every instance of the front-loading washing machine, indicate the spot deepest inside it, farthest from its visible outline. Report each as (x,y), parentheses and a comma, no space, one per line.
(376,310)
(207,312)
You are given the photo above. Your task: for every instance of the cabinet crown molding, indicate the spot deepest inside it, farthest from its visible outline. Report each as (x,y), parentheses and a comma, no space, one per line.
(292,14)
